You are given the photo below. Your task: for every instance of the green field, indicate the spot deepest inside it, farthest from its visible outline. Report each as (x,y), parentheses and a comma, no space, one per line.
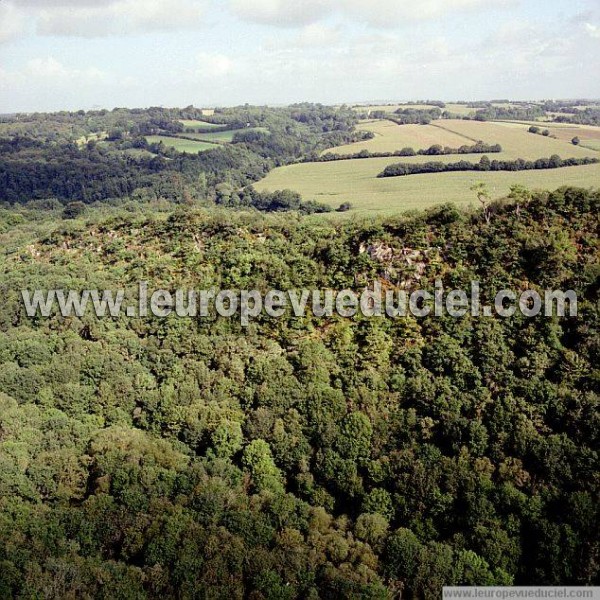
(356,181)
(222,137)
(198,124)
(515,140)
(591,144)
(588,134)
(390,137)
(180,145)
(460,109)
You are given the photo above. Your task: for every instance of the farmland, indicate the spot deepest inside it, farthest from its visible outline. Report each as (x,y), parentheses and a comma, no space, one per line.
(191,125)
(460,109)
(356,181)
(516,142)
(181,145)
(514,138)
(390,137)
(588,134)
(222,137)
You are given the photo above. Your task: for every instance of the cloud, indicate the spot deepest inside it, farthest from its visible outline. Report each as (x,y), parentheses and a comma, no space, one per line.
(393,13)
(120,17)
(314,37)
(593,30)
(12,22)
(317,35)
(49,71)
(57,3)
(383,13)
(213,65)
(282,13)
(45,83)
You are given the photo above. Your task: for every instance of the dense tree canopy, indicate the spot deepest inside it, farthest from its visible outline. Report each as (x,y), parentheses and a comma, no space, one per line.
(42,156)
(300,457)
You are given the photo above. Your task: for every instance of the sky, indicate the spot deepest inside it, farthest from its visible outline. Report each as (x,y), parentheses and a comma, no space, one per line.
(84,54)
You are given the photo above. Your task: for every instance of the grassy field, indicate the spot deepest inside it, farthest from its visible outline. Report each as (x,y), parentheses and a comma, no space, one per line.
(181,145)
(356,181)
(460,109)
(588,134)
(390,137)
(591,144)
(515,140)
(197,124)
(222,137)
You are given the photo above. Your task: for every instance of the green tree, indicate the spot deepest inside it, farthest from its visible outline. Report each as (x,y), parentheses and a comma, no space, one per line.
(257,458)
(483,197)
(73,210)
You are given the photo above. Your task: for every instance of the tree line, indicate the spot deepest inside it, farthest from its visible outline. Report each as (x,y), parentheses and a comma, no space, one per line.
(485,164)
(434,150)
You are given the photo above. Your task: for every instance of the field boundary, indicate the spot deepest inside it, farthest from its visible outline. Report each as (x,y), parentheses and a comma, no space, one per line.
(191,139)
(454,132)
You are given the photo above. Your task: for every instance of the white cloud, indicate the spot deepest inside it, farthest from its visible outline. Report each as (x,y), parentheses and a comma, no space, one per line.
(283,13)
(311,38)
(12,22)
(56,3)
(383,13)
(393,13)
(213,65)
(317,35)
(121,17)
(593,30)
(48,70)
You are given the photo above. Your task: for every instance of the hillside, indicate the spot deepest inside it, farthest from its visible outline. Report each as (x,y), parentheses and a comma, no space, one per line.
(300,457)
(355,181)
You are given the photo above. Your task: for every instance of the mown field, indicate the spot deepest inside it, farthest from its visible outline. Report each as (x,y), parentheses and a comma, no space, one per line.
(222,137)
(460,109)
(588,134)
(516,142)
(390,136)
(356,181)
(189,124)
(514,138)
(181,145)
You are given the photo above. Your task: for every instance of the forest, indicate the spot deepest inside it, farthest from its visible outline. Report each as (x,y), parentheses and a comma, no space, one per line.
(40,159)
(302,458)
